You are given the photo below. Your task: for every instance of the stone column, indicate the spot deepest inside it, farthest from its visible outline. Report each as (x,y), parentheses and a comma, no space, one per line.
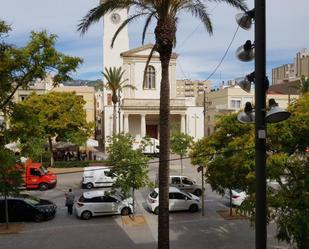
(183,124)
(143,125)
(126,123)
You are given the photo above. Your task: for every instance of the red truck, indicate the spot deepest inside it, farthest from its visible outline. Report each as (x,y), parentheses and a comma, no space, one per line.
(36,176)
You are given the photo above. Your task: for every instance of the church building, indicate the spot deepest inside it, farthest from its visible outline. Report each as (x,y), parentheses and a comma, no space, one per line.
(138,112)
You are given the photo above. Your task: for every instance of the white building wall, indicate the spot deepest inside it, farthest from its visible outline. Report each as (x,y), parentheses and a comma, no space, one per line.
(195,122)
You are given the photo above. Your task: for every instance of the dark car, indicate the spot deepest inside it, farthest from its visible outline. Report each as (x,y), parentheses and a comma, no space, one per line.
(27,208)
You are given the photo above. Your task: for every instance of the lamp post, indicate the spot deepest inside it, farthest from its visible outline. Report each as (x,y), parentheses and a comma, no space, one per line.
(260,124)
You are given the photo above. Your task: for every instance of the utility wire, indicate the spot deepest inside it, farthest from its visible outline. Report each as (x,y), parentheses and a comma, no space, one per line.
(224,55)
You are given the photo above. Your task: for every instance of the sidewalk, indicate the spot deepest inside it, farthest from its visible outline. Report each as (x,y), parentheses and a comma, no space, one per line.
(66,170)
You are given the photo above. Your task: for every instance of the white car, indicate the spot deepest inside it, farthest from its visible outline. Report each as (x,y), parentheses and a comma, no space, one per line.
(238,196)
(178,201)
(100,202)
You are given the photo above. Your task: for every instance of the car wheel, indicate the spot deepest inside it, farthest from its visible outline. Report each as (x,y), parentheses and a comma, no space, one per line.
(86,215)
(156,211)
(125,211)
(38,217)
(193,208)
(43,186)
(89,185)
(197,192)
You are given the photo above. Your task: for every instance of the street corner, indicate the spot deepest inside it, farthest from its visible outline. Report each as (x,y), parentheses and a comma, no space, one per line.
(133,220)
(14,228)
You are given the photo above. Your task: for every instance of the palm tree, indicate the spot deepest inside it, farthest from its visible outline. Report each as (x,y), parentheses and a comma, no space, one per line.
(304,84)
(165,13)
(115,84)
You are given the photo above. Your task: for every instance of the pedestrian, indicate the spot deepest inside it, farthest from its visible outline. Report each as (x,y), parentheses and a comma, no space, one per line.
(69,201)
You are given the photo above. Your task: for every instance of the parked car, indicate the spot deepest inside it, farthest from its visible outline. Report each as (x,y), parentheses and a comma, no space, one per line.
(238,196)
(186,184)
(27,208)
(178,201)
(98,176)
(101,202)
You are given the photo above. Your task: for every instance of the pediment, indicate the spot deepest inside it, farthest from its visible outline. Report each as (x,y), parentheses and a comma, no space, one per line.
(143,51)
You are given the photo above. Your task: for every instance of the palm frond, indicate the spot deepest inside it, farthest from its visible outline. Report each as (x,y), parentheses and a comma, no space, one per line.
(123,24)
(198,9)
(147,23)
(240,4)
(154,48)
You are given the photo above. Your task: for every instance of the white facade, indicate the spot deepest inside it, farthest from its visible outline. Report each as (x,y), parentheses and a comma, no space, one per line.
(139,109)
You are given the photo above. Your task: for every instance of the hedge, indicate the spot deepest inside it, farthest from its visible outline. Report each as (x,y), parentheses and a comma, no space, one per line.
(79,164)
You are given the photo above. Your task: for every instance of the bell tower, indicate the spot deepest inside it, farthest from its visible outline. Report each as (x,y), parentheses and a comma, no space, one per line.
(111,22)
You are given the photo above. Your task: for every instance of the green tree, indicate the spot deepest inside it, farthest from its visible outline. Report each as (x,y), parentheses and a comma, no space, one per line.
(180,143)
(166,14)
(304,85)
(55,115)
(21,66)
(10,177)
(288,166)
(115,84)
(228,155)
(130,165)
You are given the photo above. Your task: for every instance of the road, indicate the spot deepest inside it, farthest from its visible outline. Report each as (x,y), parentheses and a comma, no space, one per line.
(187,230)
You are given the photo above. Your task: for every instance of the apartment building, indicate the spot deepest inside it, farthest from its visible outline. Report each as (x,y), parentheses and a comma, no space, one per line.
(292,71)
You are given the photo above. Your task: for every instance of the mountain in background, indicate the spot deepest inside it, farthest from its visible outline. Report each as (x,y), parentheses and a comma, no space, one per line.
(97,84)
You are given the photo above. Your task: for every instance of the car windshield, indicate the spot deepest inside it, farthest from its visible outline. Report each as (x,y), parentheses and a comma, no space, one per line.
(119,196)
(153,194)
(32,200)
(44,170)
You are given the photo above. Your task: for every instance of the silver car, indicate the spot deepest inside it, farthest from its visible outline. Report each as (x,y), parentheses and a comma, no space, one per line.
(186,184)
(101,202)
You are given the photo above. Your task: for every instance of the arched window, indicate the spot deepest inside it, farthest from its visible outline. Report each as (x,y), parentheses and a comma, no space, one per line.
(150,82)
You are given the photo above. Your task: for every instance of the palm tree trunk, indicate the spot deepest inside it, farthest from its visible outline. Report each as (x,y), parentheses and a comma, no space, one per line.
(165,32)
(163,222)
(114,118)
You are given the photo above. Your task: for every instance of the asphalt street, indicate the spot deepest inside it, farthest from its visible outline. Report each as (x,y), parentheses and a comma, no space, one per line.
(187,230)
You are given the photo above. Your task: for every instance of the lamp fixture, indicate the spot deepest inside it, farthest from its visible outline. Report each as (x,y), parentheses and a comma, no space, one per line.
(276,114)
(245,82)
(244,20)
(248,115)
(246,52)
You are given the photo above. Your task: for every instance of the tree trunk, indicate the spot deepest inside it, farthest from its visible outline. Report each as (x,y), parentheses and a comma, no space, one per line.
(181,164)
(231,205)
(114,118)
(163,221)
(51,151)
(133,197)
(165,32)
(6,212)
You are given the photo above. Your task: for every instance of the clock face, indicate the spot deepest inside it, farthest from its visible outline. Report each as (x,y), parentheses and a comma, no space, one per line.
(115,18)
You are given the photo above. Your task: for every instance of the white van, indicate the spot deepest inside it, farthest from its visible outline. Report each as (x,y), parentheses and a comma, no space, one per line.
(152,148)
(98,176)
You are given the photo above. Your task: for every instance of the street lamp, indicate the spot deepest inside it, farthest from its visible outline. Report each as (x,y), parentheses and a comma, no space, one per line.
(245,21)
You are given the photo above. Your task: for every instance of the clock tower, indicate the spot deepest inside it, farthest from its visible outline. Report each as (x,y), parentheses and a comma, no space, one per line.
(111,22)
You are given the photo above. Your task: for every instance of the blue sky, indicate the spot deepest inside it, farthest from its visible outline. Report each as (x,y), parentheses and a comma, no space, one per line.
(198,52)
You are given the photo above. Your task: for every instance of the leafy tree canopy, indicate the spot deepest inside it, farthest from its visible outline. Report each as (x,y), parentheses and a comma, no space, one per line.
(180,143)
(130,165)
(228,156)
(21,66)
(10,174)
(59,115)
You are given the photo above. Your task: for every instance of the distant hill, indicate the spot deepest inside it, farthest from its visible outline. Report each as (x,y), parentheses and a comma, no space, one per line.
(95,83)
